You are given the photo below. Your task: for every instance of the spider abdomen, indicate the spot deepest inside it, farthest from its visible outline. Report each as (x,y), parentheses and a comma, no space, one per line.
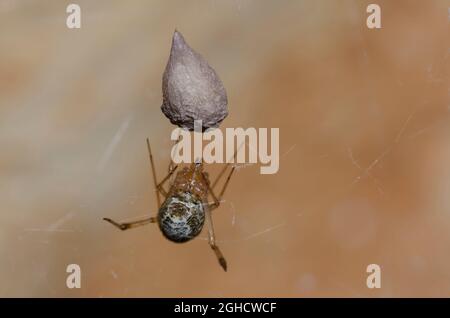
(181,217)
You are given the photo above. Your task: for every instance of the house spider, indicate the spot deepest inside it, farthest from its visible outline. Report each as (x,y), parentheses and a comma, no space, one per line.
(182,214)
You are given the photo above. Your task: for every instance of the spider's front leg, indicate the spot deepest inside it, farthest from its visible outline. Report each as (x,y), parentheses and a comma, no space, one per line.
(159,186)
(218,199)
(159,189)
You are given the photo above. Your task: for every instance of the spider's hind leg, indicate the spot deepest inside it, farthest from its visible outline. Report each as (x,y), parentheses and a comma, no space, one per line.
(130,225)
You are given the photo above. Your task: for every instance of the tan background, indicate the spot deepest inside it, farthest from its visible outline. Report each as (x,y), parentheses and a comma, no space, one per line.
(77,105)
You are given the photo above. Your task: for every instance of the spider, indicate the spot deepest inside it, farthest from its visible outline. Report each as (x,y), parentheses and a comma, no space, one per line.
(182,214)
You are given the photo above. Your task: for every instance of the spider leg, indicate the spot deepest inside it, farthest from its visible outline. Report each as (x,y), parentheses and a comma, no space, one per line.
(215,205)
(159,186)
(219,176)
(159,189)
(224,169)
(171,163)
(152,164)
(218,199)
(212,241)
(130,225)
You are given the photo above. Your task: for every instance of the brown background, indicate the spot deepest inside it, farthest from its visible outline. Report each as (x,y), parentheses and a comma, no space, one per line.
(365,148)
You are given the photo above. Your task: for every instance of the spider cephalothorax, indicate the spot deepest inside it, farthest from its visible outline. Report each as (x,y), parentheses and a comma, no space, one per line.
(181,217)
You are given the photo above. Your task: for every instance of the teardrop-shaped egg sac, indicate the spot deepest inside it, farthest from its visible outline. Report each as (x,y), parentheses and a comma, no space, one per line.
(192,90)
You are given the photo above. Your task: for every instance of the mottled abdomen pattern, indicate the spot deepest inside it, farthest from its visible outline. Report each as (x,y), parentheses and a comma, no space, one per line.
(181,217)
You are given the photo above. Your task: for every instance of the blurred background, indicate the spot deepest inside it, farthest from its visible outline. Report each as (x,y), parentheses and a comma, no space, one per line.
(364,144)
